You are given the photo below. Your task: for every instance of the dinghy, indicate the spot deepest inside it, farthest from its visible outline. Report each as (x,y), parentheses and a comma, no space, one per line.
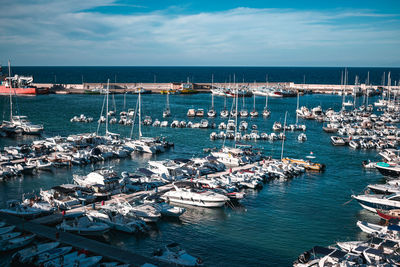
(7,229)
(8,236)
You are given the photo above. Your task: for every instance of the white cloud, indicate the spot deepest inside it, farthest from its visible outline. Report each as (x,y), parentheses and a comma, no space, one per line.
(60,33)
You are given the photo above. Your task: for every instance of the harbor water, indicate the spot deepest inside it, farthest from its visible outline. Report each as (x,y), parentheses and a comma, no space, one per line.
(271,227)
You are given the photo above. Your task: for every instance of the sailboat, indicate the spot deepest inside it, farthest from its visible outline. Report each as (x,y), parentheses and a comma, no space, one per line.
(167,111)
(18,124)
(211,112)
(143,144)
(254,113)
(231,156)
(345,103)
(224,113)
(243,111)
(266,111)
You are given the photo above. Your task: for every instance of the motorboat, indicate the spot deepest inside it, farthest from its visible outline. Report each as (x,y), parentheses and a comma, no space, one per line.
(387,169)
(23,255)
(372,202)
(200,112)
(191,113)
(195,197)
(17,209)
(384,189)
(48,255)
(83,226)
(338,141)
(174,254)
(277,126)
(70,259)
(230,156)
(16,243)
(389,214)
(116,220)
(302,137)
(7,229)
(211,113)
(8,236)
(107,178)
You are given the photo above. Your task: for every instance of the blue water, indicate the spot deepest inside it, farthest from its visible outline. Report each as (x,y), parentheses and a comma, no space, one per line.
(316,75)
(272,227)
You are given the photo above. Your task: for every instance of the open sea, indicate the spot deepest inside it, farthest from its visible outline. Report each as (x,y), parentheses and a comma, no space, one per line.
(273,225)
(314,75)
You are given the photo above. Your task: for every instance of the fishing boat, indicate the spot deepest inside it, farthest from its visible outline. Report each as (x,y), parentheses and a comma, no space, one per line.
(83,226)
(174,254)
(195,197)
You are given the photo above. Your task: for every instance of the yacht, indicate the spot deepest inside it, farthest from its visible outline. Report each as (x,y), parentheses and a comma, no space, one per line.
(107,178)
(195,197)
(27,126)
(372,202)
(230,156)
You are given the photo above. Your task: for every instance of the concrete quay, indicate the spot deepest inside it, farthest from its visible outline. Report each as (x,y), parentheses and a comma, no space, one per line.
(205,87)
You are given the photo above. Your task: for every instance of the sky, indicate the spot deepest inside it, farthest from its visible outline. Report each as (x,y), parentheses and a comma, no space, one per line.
(200,33)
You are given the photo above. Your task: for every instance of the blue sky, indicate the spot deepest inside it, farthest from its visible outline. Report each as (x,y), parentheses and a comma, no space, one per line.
(200,33)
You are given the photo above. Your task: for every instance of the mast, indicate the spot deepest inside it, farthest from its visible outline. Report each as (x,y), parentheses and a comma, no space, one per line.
(140,122)
(10,81)
(284,131)
(236,107)
(124,101)
(168,101)
(297,116)
(108,89)
(212,95)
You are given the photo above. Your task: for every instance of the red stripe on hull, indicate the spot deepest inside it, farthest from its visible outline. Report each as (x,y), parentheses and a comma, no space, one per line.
(18,91)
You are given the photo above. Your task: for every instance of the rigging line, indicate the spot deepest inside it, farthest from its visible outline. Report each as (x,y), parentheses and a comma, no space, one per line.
(229,117)
(101,114)
(134,118)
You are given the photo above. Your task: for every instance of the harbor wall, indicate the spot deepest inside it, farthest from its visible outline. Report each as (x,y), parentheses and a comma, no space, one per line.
(205,87)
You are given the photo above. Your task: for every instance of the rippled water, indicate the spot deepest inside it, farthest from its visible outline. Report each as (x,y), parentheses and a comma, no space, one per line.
(272,227)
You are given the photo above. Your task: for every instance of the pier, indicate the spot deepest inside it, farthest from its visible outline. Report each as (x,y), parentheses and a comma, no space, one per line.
(98,248)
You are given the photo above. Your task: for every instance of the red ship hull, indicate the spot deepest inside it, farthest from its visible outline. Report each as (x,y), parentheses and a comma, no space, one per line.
(18,91)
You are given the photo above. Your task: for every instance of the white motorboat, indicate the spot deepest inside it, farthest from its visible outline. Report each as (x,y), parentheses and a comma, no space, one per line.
(16,243)
(23,255)
(224,113)
(302,137)
(371,228)
(5,230)
(173,254)
(277,126)
(105,177)
(169,211)
(66,260)
(83,226)
(17,209)
(194,197)
(143,211)
(8,236)
(338,141)
(27,126)
(229,156)
(372,202)
(116,220)
(49,255)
